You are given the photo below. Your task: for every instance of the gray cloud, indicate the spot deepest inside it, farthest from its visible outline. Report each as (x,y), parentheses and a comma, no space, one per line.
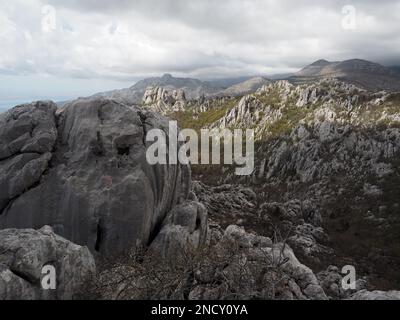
(130,39)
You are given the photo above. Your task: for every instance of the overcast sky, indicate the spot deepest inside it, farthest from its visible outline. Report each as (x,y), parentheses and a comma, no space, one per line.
(58,48)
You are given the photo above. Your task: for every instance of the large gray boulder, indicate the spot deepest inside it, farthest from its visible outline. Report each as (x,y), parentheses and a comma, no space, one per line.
(186,226)
(253,267)
(24,253)
(84,172)
(27,137)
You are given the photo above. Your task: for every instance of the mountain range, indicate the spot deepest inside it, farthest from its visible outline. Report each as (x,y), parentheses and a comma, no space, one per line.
(363,73)
(396,69)
(193,88)
(80,174)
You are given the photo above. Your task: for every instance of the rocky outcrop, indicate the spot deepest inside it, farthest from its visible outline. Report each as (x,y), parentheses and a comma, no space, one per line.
(335,146)
(375,295)
(325,148)
(185,226)
(229,204)
(24,254)
(238,266)
(281,105)
(160,100)
(301,222)
(133,95)
(28,134)
(247,111)
(257,269)
(331,281)
(326,178)
(84,172)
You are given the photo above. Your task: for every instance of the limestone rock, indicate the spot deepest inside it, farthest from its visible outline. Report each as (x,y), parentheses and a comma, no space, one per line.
(28,134)
(99,189)
(254,265)
(23,254)
(161,100)
(376,295)
(186,226)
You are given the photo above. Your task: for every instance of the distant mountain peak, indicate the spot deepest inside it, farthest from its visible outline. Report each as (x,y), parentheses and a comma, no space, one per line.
(167,76)
(320,63)
(245,87)
(359,60)
(367,74)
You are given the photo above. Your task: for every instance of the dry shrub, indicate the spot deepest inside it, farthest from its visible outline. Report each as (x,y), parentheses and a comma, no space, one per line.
(225,270)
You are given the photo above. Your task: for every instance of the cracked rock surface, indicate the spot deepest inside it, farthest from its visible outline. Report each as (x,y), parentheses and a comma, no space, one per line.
(28,134)
(84,172)
(23,254)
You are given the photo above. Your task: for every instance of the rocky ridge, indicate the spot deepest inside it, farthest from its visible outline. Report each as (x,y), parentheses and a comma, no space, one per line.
(316,143)
(193,89)
(160,100)
(366,74)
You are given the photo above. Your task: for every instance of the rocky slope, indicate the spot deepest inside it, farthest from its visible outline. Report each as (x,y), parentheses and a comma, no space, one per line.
(324,194)
(327,173)
(236,263)
(365,74)
(245,87)
(160,100)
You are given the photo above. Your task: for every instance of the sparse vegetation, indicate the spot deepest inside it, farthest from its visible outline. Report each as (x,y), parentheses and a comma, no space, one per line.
(220,271)
(199,120)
